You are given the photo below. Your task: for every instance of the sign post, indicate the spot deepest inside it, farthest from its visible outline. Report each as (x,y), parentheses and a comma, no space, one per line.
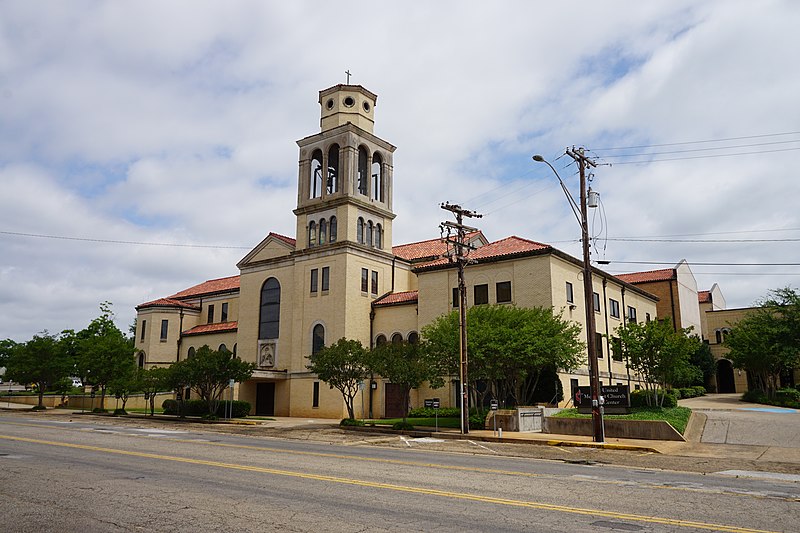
(493,407)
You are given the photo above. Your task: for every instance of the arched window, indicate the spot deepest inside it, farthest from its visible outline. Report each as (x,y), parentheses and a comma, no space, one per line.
(718,335)
(190,353)
(363,170)
(380,340)
(360,230)
(397,338)
(270,309)
(378,236)
(370,233)
(318,338)
(323,230)
(377,177)
(332,230)
(234,349)
(315,180)
(333,169)
(413,337)
(222,348)
(142,358)
(312,233)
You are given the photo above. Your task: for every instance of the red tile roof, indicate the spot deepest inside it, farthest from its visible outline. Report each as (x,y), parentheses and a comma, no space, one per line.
(704,297)
(430,249)
(219,327)
(665,274)
(167,302)
(284,238)
(502,249)
(397,298)
(211,286)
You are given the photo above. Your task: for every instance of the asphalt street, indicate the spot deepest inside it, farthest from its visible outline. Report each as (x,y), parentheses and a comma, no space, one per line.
(84,474)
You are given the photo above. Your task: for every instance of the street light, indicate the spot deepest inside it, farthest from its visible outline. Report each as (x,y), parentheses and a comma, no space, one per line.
(588,290)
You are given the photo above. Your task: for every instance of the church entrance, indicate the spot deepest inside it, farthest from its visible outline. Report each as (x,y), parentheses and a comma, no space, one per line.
(265,399)
(725,382)
(393,400)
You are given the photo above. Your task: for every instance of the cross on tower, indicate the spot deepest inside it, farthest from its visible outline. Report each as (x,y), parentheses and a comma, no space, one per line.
(348,76)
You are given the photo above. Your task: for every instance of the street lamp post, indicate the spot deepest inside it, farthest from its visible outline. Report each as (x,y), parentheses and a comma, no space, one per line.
(598,428)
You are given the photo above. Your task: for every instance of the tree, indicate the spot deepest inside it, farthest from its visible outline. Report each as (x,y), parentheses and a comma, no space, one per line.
(210,372)
(343,366)
(408,365)
(767,341)
(658,354)
(153,381)
(125,383)
(40,361)
(510,347)
(104,353)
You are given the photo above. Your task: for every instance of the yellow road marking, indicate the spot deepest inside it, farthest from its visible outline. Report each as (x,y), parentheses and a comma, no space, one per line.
(400,488)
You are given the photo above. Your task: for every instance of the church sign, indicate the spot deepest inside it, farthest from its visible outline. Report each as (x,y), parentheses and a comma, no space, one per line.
(616,399)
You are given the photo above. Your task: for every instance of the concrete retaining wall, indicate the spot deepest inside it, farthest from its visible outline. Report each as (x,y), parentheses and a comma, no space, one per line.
(615,428)
(78,401)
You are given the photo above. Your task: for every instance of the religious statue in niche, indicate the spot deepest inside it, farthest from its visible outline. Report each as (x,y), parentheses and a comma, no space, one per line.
(266,353)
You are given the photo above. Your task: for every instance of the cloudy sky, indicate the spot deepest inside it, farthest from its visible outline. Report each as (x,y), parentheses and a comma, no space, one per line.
(173,125)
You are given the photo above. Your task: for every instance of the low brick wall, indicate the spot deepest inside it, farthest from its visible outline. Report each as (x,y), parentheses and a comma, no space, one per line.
(615,428)
(79,401)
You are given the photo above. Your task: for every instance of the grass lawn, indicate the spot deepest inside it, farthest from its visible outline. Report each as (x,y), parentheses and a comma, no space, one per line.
(420,422)
(157,410)
(677,417)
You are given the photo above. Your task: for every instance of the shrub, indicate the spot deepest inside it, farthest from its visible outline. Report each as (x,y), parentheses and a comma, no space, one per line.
(351,422)
(692,392)
(787,397)
(200,408)
(639,399)
(38,408)
(754,396)
(427,412)
(118,412)
(477,419)
(402,426)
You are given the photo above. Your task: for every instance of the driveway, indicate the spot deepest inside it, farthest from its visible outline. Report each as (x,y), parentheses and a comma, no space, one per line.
(731,421)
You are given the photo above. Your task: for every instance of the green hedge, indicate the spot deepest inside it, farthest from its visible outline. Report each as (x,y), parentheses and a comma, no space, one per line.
(639,398)
(787,397)
(427,412)
(690,392)
(200,408)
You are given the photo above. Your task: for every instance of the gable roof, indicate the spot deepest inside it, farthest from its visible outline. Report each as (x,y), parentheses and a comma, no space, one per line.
(288,242)
(431,249)
(665,274)
(397,298)
(503,249)
(167,302)
(212,286)
(219,327)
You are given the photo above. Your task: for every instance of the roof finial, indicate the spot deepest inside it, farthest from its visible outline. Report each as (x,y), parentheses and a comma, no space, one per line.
(348,76)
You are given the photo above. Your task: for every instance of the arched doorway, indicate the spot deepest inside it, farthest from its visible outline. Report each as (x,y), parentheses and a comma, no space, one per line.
(725,382)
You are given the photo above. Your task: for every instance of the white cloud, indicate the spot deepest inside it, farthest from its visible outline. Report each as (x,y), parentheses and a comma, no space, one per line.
(176,123)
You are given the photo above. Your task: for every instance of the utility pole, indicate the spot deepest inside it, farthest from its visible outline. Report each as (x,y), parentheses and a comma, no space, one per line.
(588,291)
(461,249)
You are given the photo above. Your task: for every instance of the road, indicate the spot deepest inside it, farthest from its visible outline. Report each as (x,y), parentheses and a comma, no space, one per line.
(62,474)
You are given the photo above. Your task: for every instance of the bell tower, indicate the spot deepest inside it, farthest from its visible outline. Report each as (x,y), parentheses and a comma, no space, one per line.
(344,185)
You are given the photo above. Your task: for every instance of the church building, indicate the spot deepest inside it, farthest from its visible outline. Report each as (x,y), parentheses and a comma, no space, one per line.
(341,275)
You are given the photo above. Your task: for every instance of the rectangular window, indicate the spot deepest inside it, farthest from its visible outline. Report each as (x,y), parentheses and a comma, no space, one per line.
(647,317)
(631,314)
(211,314)
(326,278)
(315,395)
(503,291)
(613,307)
(314,280)
(481,294)
(224,315)
(570,294)
(598,344)
(364,280)
(616,349)
(164,329)
(596,302)
(144,326)
(456,298)
(374,285)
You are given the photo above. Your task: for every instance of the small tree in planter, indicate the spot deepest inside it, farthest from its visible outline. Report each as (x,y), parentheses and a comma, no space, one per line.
(342,366)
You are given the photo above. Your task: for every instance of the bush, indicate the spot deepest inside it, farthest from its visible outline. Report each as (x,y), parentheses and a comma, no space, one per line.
(787,397)
(38,408)
(477,418)
(351,422)
(755,396)
(402,426)
(119,412)
(200,408)
(427,412)
(692,392)
(639,398)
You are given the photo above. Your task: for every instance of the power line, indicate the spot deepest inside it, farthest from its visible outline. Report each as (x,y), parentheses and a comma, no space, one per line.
(116,241)
(710,233)
(700,149)
(702,263)
(701,142)
(709,156)
(712,241)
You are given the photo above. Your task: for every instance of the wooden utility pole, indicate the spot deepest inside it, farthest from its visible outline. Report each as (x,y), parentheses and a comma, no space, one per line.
(598,428)
(461,248)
